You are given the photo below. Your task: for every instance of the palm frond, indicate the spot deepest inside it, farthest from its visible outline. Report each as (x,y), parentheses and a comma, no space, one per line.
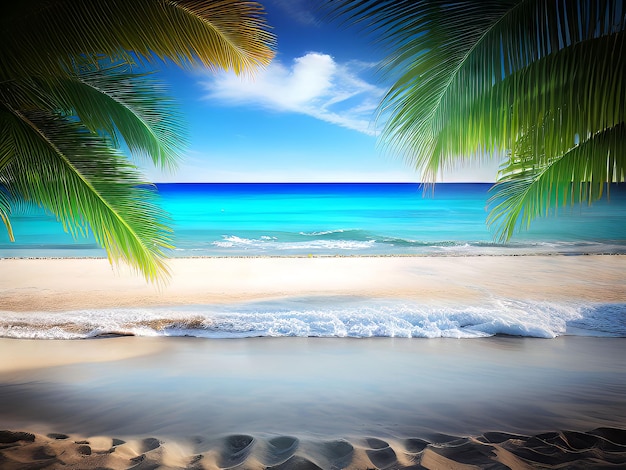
(5,211)
(139,111)
(45,37)
(88,186)
(6,156)
(566,96)
(447,57)
(113,101)
(529,189)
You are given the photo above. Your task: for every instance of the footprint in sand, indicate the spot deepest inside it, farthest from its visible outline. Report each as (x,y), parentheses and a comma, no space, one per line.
(150,443)
(380,454)
(279,450)
(236,450)
(415,445)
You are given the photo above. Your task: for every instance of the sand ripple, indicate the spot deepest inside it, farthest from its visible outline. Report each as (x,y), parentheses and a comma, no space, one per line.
(600,448)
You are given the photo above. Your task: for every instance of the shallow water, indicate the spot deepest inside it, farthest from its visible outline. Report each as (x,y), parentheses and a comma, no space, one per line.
(335,388)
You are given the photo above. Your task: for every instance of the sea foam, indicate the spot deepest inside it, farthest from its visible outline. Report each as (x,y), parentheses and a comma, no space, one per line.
(326,317)
(269,244)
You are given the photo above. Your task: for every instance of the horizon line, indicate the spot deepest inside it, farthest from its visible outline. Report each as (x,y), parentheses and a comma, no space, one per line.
(323,182)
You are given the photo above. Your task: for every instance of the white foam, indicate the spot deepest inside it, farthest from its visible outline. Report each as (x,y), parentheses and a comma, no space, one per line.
(327,245)
(271,244)
(323,232)
(327,318)
(232,241)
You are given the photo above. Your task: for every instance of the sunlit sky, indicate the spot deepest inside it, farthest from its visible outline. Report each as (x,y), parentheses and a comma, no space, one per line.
(309,116)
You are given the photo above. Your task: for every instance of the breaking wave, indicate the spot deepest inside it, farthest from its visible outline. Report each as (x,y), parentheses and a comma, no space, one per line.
(326,317)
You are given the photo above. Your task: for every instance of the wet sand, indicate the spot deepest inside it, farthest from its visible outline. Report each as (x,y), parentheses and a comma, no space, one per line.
(315,403)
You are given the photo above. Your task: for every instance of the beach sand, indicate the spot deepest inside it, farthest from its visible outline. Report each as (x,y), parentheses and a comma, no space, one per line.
(309,403)
(74,284)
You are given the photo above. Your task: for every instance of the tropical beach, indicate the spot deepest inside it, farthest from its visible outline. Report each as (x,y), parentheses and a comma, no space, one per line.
(313,402)
(296,235)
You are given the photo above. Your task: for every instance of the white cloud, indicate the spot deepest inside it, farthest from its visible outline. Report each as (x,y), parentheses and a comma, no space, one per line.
(313,84)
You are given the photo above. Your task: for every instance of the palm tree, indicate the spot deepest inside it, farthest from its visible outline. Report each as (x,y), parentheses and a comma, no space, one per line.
(541,81)
(74,91)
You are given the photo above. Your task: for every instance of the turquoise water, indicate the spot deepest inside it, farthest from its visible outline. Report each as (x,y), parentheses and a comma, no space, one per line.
(340,219)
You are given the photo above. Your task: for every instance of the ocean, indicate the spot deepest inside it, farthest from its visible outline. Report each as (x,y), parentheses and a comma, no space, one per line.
(301,219)
(293,219)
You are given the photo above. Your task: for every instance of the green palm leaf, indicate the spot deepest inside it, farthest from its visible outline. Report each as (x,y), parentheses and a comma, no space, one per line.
(585,91)
(88,186)
(135,106)
(447,55)
(5,212)
(525,192)
(113,101)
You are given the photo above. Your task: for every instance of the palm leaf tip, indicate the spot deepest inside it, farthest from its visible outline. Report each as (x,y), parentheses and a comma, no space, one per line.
(5,210)
(528,188)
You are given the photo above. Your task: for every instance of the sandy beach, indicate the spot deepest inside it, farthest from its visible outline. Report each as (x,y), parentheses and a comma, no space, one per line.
(70,284)
(310,403)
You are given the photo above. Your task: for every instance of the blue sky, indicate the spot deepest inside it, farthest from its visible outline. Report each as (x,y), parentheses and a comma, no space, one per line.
(309,116)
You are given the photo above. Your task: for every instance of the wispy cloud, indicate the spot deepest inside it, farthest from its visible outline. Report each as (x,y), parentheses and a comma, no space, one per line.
(314,84)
